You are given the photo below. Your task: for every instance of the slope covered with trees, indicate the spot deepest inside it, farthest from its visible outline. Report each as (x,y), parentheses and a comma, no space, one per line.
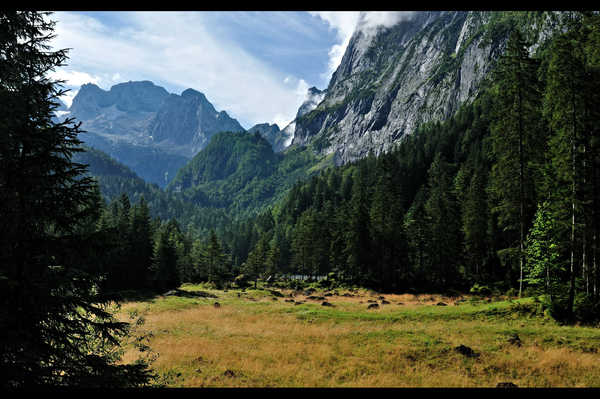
(241,173)
(503,194)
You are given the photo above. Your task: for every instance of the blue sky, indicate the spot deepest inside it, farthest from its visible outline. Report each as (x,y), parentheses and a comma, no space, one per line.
(257,66)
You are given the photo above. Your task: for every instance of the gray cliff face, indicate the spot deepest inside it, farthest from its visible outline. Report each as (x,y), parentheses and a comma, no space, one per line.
(187,122)
(272,134)
(392,79)
(313,98)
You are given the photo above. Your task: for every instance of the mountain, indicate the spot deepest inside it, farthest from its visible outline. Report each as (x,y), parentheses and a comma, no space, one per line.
(272,134)
(147,128)
(115,179)
(313,97)
(241,172)
(393,78)
(185,123)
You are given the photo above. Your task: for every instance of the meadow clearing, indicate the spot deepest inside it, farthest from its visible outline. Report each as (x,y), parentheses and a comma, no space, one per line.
(286,338)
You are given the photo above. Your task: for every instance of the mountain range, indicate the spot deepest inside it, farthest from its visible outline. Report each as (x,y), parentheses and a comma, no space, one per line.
(391,80)
(155,132)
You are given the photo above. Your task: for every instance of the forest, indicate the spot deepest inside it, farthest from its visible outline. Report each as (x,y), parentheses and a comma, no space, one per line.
(502,197)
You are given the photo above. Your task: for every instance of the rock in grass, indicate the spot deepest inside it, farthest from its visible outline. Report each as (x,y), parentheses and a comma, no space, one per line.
(229,373)
(515,340)
(466,351)
(217,305)
(506,385)
(441,304)
(373,306)
(290,300)
(384,302)
(325,303)
(276,293)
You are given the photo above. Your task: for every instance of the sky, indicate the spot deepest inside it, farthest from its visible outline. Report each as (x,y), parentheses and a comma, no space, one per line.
(256,66)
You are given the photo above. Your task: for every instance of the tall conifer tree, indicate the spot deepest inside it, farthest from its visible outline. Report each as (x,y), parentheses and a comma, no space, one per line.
(56,326)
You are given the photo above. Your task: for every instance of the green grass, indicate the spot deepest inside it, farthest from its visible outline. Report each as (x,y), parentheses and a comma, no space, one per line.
(252,340)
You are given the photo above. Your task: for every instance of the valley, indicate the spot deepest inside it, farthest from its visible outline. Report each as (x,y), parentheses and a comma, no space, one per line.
(437,203)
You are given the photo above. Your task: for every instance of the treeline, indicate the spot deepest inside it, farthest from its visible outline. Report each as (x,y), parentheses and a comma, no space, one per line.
(504,194)
(153,254)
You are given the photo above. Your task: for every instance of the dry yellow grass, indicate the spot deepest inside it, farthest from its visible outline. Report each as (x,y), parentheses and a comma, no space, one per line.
(267,343)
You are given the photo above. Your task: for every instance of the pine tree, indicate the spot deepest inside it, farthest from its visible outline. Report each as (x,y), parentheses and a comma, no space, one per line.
(516,140)
(441,209)
(56,326)
(564,108)
(141,243)
(215,260)
(544,269)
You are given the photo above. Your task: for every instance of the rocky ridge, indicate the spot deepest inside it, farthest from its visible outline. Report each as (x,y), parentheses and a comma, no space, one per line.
(391,79)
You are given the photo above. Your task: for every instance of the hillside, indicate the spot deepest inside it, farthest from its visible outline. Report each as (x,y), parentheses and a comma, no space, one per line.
(242,173)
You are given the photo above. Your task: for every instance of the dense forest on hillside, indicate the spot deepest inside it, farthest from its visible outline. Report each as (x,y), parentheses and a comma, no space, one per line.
(502,196)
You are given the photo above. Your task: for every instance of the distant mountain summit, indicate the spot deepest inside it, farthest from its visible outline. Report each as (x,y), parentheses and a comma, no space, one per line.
(271,133)
(188,121)
(139,123)
(313,97)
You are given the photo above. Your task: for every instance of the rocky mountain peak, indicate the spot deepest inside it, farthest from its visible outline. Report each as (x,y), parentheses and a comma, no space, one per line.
(407,70)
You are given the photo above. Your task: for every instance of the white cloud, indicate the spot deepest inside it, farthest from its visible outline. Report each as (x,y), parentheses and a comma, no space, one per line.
(347,22)
(176,50)
(369,22)
(344,22)
(68,97)
(74,78)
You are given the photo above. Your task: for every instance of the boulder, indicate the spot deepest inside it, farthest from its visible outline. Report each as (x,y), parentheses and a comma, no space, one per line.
(515,340)
(506,385)
(466,351)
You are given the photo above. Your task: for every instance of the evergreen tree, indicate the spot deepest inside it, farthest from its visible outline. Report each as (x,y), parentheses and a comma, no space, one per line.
(441,209)
(164,273)
(516,141)
(564,108)
(141,244)
(57,329)
(215,260)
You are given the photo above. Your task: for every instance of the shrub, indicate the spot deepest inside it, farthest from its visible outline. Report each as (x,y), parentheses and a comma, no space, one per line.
(241,281)
(587,310)
(480,290)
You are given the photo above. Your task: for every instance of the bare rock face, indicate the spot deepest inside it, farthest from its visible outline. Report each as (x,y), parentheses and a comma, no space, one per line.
(393,78)
(187,122)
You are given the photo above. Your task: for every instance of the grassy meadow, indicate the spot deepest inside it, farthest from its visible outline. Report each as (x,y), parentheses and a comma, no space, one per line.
(254,338)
